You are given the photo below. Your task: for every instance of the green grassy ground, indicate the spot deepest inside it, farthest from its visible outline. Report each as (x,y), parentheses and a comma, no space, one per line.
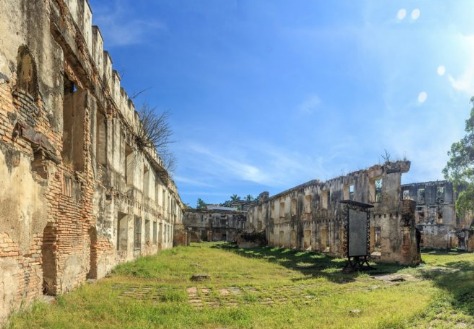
(265,288)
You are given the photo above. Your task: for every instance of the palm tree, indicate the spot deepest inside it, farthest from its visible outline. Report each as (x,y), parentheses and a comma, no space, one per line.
(234,197)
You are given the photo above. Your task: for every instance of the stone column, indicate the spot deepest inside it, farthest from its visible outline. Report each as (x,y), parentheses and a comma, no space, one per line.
(409,252)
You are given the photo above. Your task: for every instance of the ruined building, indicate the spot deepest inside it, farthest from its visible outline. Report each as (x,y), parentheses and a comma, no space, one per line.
(217,224)
(78,194)
(436,218)
(310,216)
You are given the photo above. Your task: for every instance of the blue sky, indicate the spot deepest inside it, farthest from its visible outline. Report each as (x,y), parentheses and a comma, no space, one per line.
(267,94)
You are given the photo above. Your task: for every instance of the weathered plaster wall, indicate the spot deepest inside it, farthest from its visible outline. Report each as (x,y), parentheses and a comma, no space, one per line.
(213,225)
(435,215)
(22,218)
(78,195)
(309,216)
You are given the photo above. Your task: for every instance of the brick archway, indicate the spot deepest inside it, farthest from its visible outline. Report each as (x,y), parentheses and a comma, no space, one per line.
(49,264)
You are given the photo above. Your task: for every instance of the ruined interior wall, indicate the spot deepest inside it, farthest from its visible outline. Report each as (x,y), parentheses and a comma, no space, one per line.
(22,219)
(435,213)
(30,182)
(213,225)
(470,242)
(309,216)
(181,236)
(63,176)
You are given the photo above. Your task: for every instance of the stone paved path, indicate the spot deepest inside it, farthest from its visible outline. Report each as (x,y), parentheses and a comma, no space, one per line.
(199,296)
(222,296)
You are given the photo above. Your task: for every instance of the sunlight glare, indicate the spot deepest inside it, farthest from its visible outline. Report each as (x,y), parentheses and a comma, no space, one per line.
(401,14)
(415,14)
(422,96)
(441,70)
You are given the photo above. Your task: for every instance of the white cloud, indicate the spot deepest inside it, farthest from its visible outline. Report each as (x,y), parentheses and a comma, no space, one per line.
(221,163)
(310,104)
(425,138)
(132,32)
(117,27)
(278,167)
(422,96)
(441,70)
(465,81)
(191,181)
(204,193)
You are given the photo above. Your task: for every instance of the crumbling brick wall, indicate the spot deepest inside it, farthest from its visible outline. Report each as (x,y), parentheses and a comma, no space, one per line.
(214,224)
(435,214)
(69,208)
(309,216)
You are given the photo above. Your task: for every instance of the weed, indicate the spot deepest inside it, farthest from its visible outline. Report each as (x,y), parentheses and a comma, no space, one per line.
(265,288)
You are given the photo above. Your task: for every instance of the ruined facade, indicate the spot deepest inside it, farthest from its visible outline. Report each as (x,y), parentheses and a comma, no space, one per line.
(309,216)
(78,194)
(436,218)
(221,224)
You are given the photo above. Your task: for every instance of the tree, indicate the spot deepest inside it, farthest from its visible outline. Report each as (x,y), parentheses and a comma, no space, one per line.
(155,131)
(169,160)
(201,204)
(460,168)
(249,198)
(234,197)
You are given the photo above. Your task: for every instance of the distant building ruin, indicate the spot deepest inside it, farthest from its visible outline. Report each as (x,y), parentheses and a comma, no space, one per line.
(78,194)
(435,216)
(215,224)
(310,216)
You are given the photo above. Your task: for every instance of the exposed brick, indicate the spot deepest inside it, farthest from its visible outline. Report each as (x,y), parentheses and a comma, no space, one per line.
(66,229)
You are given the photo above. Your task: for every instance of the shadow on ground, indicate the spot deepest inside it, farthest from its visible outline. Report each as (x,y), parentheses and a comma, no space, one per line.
(457,279)
(309,263)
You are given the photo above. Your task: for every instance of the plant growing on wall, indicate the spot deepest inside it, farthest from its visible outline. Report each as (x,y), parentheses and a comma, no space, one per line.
(155,131)
(460,167)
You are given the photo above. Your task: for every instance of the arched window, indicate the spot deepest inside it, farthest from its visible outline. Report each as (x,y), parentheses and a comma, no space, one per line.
(27,79)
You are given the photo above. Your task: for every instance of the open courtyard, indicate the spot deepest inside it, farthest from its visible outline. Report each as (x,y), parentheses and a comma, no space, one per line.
(213,285)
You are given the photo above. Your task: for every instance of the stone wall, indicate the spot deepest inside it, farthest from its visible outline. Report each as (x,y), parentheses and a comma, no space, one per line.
(214,225)
(435,215)
(78,194)
(309,216)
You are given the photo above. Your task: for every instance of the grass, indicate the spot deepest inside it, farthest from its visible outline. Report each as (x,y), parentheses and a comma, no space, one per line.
(265,288)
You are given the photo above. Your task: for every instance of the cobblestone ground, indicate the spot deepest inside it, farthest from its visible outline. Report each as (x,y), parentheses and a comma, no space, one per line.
(199,296)
(217,297)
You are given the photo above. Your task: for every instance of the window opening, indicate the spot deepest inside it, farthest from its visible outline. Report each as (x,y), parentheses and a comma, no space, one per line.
(440,194)
(155,233)
(307,206)
(324,199)
(406,195)
(147,231)
(351,191)
(101,139)
(293,207)
(128,165)
(146,182)
(282,209)
(421,195)
(122,231)
(378,190)
(138,233)
(73,126)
